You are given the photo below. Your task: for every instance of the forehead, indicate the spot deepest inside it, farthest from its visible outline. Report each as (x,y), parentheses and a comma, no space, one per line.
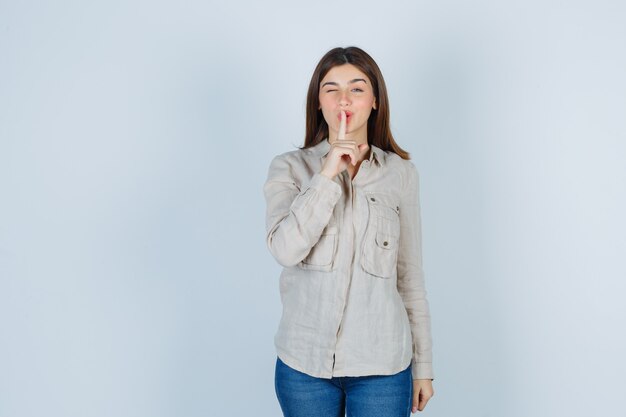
(344,73)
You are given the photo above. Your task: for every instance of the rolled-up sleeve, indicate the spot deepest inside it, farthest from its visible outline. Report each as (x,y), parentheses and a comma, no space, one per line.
(411,284)
(296,215)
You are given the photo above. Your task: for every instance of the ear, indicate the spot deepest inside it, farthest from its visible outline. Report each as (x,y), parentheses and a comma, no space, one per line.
(374,105)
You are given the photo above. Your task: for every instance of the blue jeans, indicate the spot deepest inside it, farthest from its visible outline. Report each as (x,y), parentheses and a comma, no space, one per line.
(302,395)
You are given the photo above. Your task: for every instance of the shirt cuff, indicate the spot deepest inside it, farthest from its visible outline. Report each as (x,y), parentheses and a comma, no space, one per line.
(422,370)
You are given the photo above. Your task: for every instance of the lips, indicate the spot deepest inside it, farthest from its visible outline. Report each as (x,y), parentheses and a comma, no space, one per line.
(348,115)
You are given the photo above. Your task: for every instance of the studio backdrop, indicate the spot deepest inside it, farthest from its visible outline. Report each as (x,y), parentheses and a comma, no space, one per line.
(135,138)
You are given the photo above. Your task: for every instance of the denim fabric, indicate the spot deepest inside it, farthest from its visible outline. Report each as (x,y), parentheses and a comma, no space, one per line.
(302,395)
(352,284)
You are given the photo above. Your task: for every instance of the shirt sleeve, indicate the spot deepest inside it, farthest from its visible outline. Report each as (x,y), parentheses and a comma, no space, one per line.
(295,216)
(411,277)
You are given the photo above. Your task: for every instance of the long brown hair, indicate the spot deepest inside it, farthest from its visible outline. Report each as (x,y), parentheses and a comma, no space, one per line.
(378,129)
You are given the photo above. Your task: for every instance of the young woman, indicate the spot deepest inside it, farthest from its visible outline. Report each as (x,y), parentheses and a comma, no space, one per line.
(343,219)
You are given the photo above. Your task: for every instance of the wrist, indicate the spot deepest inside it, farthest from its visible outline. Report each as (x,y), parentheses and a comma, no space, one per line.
(327,175)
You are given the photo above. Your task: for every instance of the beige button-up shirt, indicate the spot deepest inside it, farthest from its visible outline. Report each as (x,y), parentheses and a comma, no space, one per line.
(352,284)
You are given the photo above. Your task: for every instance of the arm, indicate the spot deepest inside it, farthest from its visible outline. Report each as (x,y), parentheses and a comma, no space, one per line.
(296,217)
(411,277)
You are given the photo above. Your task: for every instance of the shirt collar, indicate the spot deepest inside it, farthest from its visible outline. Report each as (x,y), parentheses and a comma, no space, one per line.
(376,154)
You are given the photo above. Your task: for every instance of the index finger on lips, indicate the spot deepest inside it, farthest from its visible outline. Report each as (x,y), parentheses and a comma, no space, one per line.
(341,135)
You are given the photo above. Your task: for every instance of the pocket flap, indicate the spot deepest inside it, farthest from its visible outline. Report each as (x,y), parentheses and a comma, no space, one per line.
(385,240)
(384,204)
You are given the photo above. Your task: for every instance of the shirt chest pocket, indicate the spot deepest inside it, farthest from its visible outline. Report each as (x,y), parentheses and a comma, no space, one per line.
(322,254)
(379,252)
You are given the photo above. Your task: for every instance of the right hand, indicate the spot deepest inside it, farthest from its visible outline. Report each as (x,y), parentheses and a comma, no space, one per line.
(342,152)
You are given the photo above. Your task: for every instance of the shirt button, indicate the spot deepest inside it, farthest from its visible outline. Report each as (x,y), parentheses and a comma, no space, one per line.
(385,243)
(372,198)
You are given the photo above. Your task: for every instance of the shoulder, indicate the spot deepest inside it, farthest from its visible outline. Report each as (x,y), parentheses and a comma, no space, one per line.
(293,156)
(292,164)
(404,167)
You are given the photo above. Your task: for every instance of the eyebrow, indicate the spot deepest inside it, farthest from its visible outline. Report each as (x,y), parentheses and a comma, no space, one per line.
(349,82)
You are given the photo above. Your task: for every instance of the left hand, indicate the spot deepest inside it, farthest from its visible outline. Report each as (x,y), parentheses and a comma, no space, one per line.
(422,391)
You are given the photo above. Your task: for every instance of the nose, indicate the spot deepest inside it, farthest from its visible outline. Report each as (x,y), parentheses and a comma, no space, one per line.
(344,100)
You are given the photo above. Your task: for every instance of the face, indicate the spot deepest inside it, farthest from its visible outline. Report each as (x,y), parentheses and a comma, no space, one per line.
(345,87)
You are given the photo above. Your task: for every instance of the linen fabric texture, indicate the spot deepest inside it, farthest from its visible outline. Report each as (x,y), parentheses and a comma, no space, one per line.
(352,283)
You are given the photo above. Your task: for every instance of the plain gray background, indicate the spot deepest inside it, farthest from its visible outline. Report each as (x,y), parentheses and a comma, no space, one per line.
(135,138)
